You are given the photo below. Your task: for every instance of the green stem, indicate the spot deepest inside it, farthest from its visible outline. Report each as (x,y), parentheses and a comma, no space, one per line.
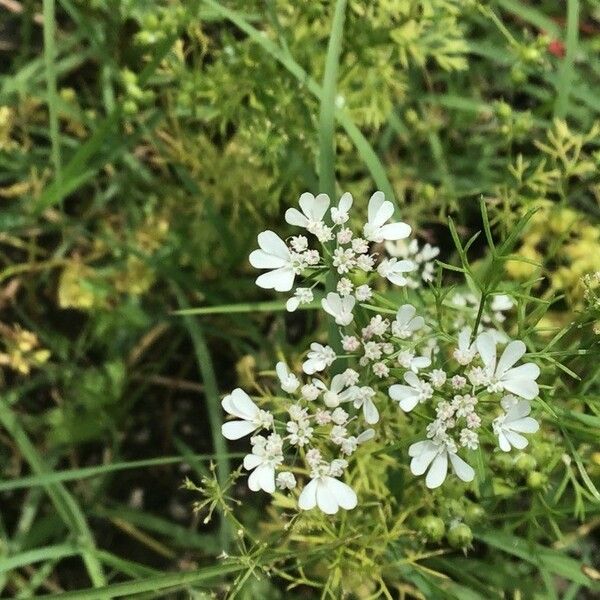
(327,143)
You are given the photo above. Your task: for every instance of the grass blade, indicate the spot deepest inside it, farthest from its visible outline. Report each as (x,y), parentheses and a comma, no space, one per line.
(49,61)
(65,504)
(566,75)
(213,404)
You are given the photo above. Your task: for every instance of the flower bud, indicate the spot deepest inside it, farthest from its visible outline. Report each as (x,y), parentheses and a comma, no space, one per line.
(432,528)
(524,463)
(503,462)
(536,480)
(460,536)
(474,514)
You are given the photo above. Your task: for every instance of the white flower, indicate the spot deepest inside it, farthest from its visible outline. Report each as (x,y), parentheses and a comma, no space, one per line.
(469,439)
(286,480)
(338,434)
(343,260)
(328,493)
(458,382)
(503,376)
(351,377)
(408,396)
(301,296)
(289,382)
(313,211)
(465,352)
(310,391)
(360,246)
(363,396)
(381,369)
(408,360)
(300,432)
(273,255)
(299,243)
(313,458)
(363,293)
(393,270)
(335,394)
(351,443)
(406,323)
(433,455)
(501,303)
(438,378)
(365,263)
(339,308)
(379,211)
(265,457)
(339,214)
(510,425)
(344,236)
(344,287)
(240,405)
(337,467)
(339,416)
(350,343)
(318,358)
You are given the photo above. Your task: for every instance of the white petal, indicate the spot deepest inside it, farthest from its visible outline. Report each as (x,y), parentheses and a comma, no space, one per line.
(344,494)
(486,346)
(320,206)
(516,440)
(420,362)
(503,442)
(403,266)
(281,370)
(308,497)
(512,353)
(409,403)
(326,500)
(416,324)
(525,425)
(395,231)
(312,365)
(345,202)
(294,217)
(437,471)
(405,313)
(370,411)
(365,436)
(375,202)
(259,259)
(228,406)
(517,411)
(411,379)
(464,337)
(397,279)
(271,243)
(234,430)
(266,477)
(461,468)
(337,383)
(243,404)
(292,304)
(384,212)
(525,388)
(254,480)
(332,304)
(420,462)
(280,280)
(251,461)
(419,447)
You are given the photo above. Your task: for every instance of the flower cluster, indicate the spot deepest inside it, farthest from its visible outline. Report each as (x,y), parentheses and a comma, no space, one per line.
(422,256)
(453,387)
(311,432)
(342,251)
